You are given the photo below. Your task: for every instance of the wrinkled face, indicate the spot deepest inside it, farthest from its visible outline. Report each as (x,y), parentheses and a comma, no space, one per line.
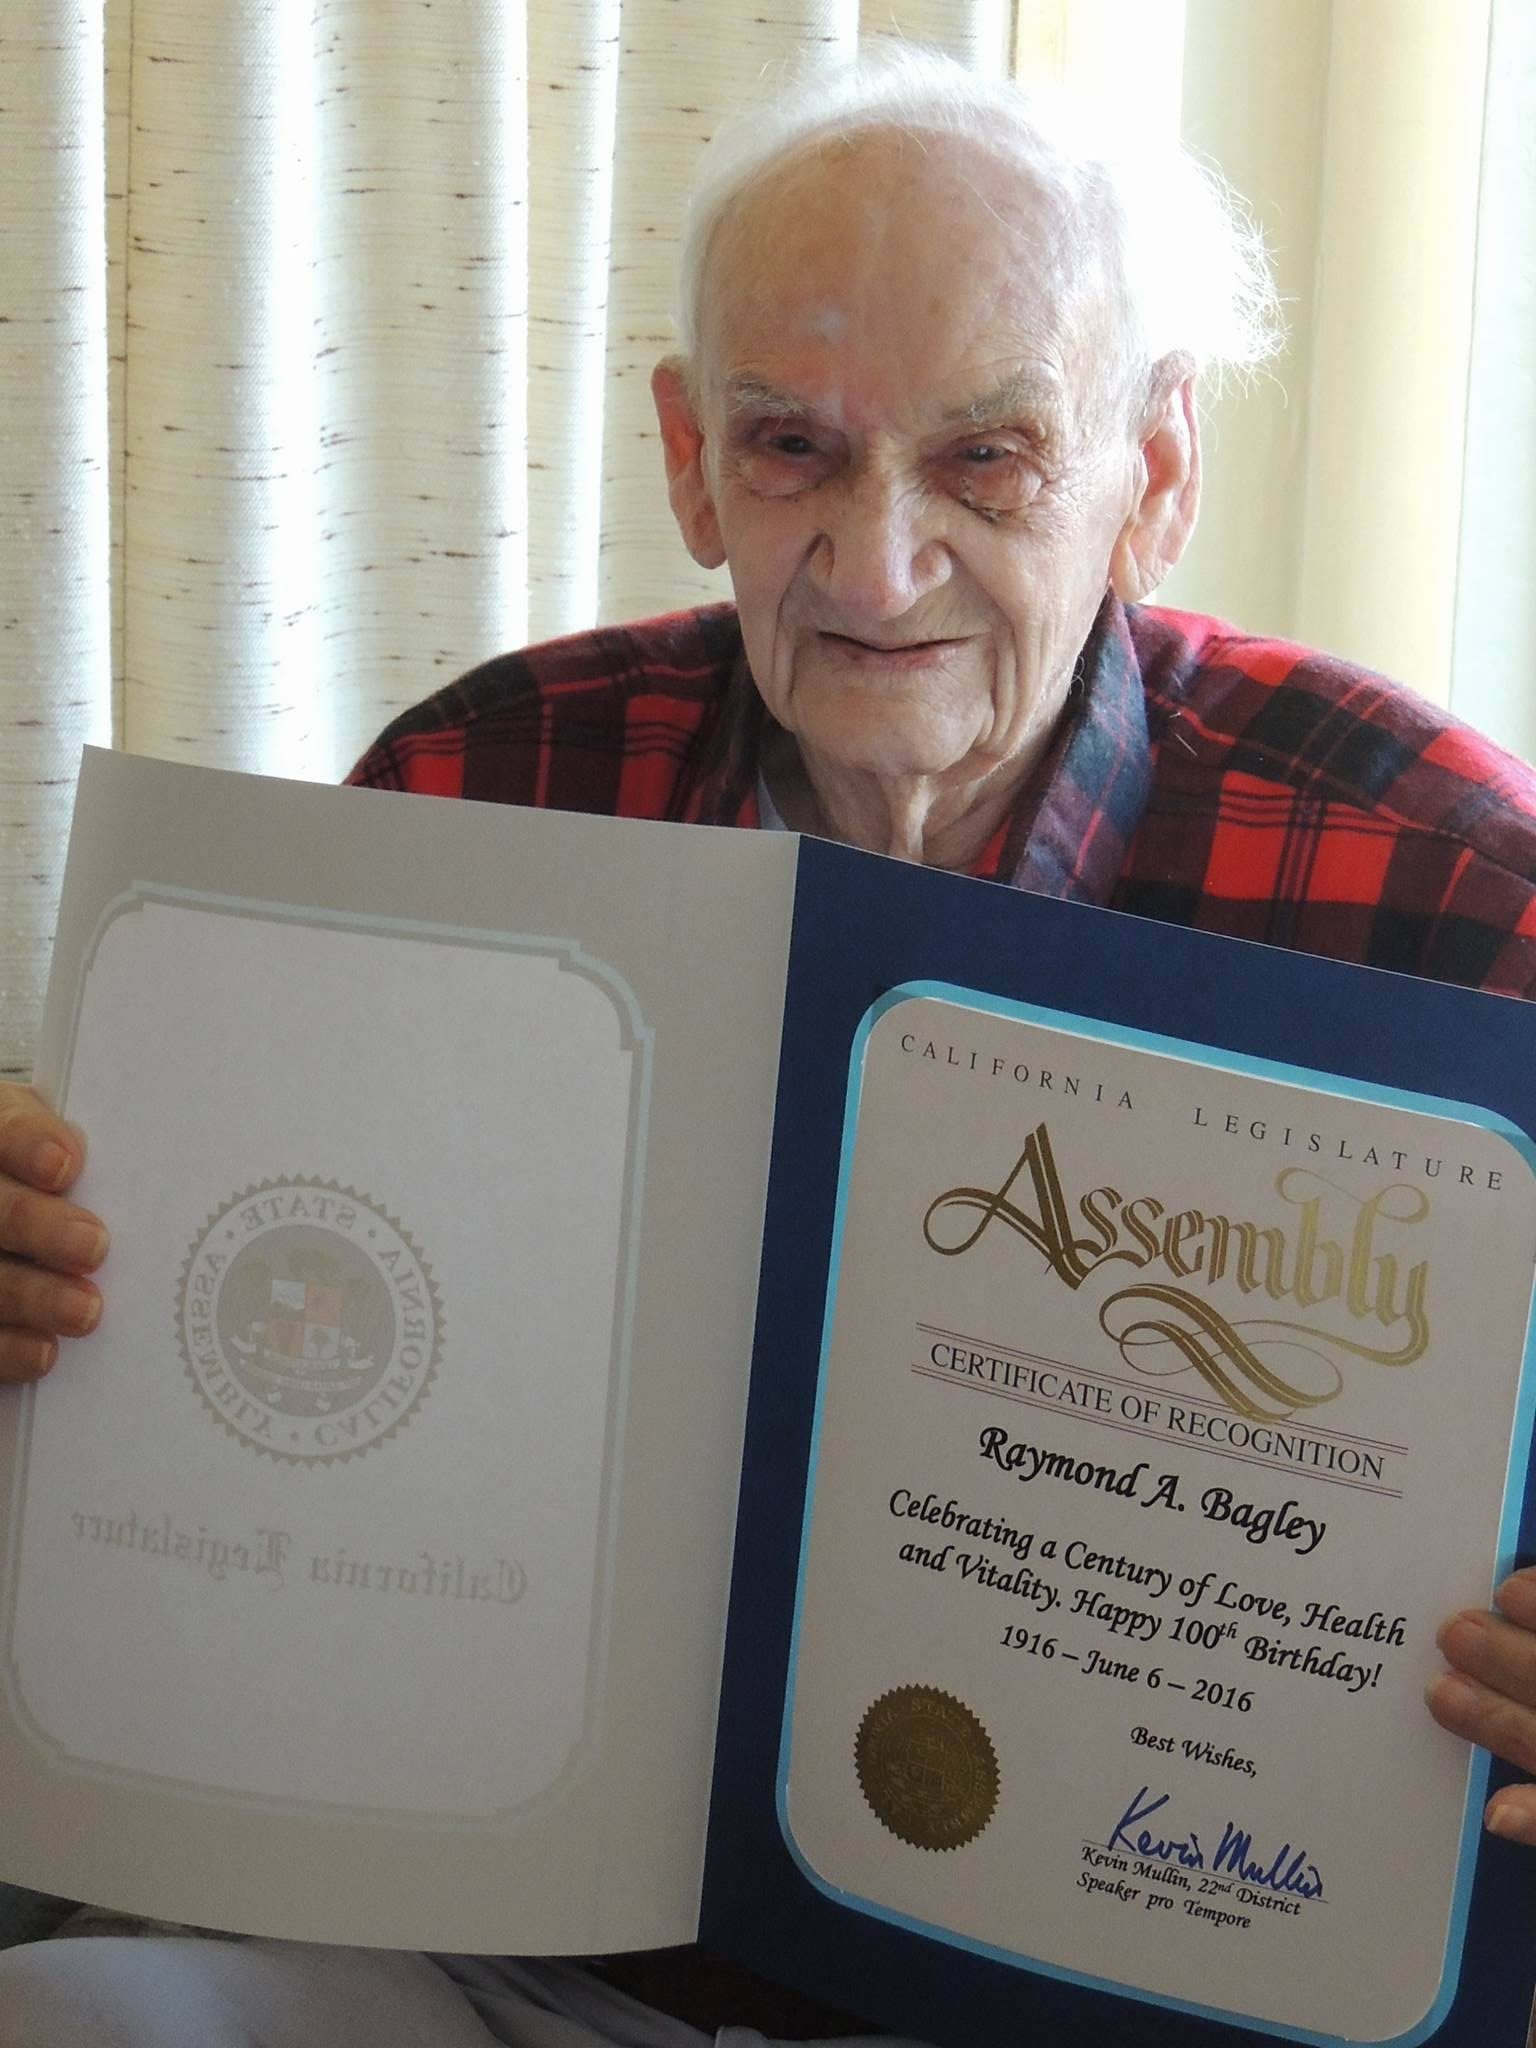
(917,451)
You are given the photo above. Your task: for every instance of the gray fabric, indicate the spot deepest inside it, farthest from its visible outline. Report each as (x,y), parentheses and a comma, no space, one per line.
(119,1991)
(186,1991)
(504,1990)
(769,817)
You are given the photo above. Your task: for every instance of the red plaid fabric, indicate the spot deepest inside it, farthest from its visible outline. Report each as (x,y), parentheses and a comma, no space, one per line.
(1200,776)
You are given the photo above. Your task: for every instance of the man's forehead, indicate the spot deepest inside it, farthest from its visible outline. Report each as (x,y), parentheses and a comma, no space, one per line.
(1015,182)
(879,177)
(951,272)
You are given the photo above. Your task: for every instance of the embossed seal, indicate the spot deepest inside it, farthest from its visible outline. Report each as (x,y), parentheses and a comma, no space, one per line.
(927,1767)
(308,1321)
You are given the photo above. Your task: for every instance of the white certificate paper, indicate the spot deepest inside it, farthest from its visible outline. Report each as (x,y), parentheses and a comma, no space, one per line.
(1167,1406)
(433,1140)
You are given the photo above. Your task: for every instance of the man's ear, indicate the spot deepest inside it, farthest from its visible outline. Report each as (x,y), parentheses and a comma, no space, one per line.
(682,442)
(1167,497)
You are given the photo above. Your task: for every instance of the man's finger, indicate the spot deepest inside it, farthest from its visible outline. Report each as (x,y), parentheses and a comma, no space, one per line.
(1511,1812)
(1516,1598)
(48,1230)
(25,1355)
(36,1146)
(1493,1651)
(1485,1717)
(47,1304)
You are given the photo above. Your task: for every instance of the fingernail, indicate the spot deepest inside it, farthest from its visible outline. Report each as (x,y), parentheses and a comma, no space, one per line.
(1450,1691)
(41,1359)
(1517,1597)
(50,1164)
(84,1244)
(1501,1820)
(1469,1626)
(82,1310)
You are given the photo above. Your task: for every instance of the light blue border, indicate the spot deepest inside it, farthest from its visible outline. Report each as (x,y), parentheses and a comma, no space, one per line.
(636,1039)
(1509,1522)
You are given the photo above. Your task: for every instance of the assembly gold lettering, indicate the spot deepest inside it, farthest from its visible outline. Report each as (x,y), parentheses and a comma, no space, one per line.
(1289,1261)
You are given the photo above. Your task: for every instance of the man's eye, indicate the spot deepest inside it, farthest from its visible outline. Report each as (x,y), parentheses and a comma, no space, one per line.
(992,477)
(778,460)
(789,443)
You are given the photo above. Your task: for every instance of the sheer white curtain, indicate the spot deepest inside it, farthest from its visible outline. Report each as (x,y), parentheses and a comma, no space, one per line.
(1356,130)
(326,329)
(1493,658)
(55,609)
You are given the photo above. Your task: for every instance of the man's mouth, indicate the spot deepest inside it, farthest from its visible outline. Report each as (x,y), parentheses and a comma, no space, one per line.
(889,654)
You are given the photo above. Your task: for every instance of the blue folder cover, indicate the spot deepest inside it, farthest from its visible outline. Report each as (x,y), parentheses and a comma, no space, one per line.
(869,934)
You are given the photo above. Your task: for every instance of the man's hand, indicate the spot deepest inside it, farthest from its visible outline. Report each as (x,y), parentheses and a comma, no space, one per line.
(1489,1695)
(47,1244)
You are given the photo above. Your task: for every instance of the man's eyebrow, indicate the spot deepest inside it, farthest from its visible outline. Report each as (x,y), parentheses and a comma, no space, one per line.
(1023,399)
(753,394)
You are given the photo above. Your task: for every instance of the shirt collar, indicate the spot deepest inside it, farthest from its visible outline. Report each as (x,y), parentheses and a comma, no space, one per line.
(1075,820)
(1067,835)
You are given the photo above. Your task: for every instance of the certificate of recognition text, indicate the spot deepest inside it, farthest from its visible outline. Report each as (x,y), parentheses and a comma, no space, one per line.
(1166,1408)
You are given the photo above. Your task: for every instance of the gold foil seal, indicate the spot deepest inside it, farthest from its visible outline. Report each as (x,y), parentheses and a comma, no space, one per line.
(927,1767)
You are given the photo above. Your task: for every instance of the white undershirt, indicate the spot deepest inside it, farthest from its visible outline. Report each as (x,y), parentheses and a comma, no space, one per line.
(768,816)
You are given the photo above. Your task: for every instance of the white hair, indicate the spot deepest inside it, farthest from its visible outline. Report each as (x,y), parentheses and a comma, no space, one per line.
(1196,275)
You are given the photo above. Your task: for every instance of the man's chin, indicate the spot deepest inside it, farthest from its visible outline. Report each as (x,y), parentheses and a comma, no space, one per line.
(892,757)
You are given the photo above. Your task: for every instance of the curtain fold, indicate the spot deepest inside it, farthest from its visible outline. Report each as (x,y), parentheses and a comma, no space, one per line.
(977,32)
(1391,321)
(1495,607)
(573,69)
(55,608)
(207,470)
(417,274)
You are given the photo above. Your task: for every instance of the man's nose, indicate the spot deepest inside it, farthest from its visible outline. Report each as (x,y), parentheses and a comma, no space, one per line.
(877,554)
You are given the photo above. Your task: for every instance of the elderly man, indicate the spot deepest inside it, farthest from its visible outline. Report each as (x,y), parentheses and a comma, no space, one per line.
(936,415)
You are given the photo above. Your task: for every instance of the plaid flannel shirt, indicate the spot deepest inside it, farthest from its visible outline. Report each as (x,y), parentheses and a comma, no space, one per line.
(1198,775)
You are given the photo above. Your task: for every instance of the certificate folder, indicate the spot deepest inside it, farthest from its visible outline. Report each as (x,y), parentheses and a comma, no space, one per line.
(662,1383)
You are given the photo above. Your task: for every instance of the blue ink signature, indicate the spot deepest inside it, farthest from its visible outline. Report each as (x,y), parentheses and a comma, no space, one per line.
(1287,1871)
